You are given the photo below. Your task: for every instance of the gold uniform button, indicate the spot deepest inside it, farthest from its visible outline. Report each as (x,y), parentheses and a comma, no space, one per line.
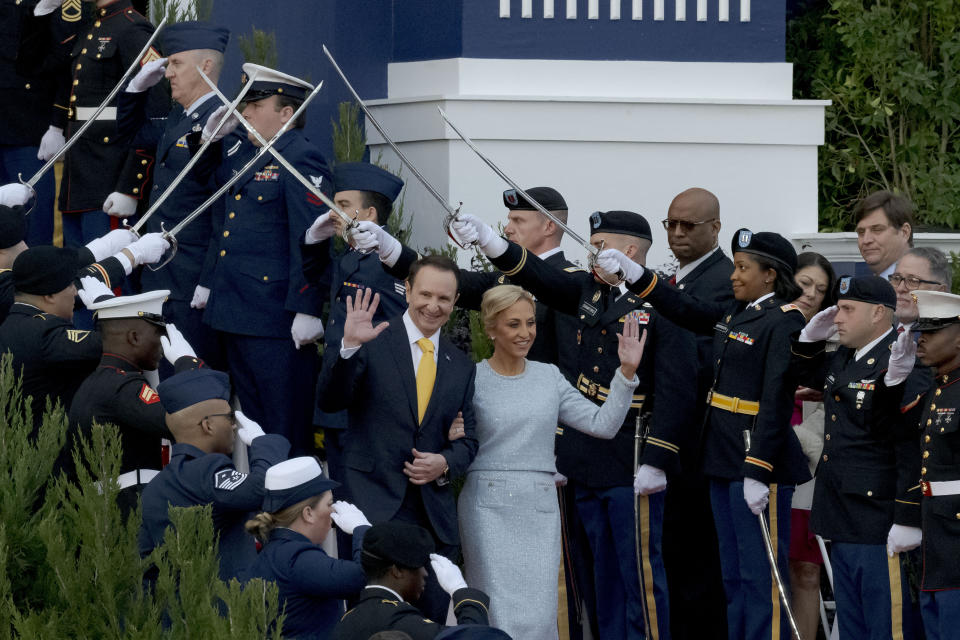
(27,85)
(599,349)
(596,369)
(98,56)
(826,437)
(83,51)
(139,176)
(603,332)
(222,253)
(929,422)
(89,36)
(833,417)
(232,215)
(265,278)
(226,234)
(837,398)
(76,82)
(73,98)
(923,471)
(97,23)
(825,457)
(926,454)
(937,393)
(143,162)
(259,197)
(136,190)
(933,407)
(106,139)
(236,197)
(869,494)
(79,66)
(926,438)
(958,516)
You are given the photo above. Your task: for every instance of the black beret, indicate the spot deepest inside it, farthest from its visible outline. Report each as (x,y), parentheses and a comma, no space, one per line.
(45,270)
(405,545)
(13,226)
(869,289)
(767,244)
(627,223)
(547,197)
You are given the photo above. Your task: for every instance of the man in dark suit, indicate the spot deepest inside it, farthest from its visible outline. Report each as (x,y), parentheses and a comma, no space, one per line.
(697,601)
(187,45)
(401,393)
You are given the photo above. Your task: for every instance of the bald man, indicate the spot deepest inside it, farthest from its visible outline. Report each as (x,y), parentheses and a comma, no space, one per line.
(697,602)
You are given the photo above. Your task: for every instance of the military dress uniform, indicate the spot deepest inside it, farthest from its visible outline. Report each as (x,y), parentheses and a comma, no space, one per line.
(118,393)
(752,393)
(258,286)
(28,82)
(101,162)
(381,609)
(866,482)
(603,470)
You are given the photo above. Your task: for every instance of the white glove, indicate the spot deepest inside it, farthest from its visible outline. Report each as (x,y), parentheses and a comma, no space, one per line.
(348,517)
(321,229)
(903,355)
(148,249)
(110,243)
(232,123)
(821,326)
(46,6)
(120,205)
(901,538)
(306,329)
(756,494)
(51,142)
(613,261)
(559,479)
(200,297)
(448,574)
(175,346)
(247,429)
(149,75)
(471,229)
(649,479)
(369,236)
(14,194)
(91,289)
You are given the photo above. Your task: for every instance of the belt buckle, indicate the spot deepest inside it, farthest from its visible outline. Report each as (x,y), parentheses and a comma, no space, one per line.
(592,389)
(735,404)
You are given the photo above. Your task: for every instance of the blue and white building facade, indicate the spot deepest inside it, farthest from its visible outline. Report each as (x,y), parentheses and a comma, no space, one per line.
(619,104)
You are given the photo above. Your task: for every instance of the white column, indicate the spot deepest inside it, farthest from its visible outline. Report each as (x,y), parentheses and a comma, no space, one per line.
(723,10)
(571,9)
(504,8)
(614,9)
(638,9)
(593,9)
(547,8)
(701,10)
(658,9)
(526,9)
(680,13)
(744,10)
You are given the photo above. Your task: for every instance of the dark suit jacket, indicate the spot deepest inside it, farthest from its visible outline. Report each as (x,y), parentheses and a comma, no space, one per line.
(377,387)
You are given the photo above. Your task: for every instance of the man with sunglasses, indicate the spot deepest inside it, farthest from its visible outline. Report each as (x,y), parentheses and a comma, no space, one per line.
(697,601)
(197,411)
(135,338)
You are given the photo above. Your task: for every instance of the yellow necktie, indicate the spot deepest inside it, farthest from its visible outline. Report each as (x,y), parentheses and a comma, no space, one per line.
(426,374)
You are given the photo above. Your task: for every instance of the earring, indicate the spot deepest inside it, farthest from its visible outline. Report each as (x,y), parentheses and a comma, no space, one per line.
(491,338)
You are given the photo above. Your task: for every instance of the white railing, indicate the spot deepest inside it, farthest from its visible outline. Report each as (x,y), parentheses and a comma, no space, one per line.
(636,9)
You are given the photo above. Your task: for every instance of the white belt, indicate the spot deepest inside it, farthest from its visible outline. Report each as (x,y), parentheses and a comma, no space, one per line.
(135,477)
(946,488)
(85,113)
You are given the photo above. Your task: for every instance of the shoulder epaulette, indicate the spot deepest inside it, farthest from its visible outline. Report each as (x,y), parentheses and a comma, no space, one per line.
(789,307)
(574,269)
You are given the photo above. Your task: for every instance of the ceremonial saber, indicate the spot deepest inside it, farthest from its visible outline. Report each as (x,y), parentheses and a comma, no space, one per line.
(31,183)
(592,251)
(350,224)
(171,235)
(452,212)
(772,559)
(196,157)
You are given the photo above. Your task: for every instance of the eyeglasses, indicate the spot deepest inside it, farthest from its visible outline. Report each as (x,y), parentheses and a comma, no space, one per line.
(913,282)
(671,225)
(231,416)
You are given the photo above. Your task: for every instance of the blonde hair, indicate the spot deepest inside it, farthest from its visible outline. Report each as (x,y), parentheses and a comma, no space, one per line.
(499,298)
(264,522)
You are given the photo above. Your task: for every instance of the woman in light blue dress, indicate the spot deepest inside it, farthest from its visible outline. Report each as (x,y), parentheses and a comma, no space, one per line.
(509,517)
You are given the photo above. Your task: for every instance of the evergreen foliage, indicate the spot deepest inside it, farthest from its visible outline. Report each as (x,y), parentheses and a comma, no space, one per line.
(180,11)
(260,47)
(69,565)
